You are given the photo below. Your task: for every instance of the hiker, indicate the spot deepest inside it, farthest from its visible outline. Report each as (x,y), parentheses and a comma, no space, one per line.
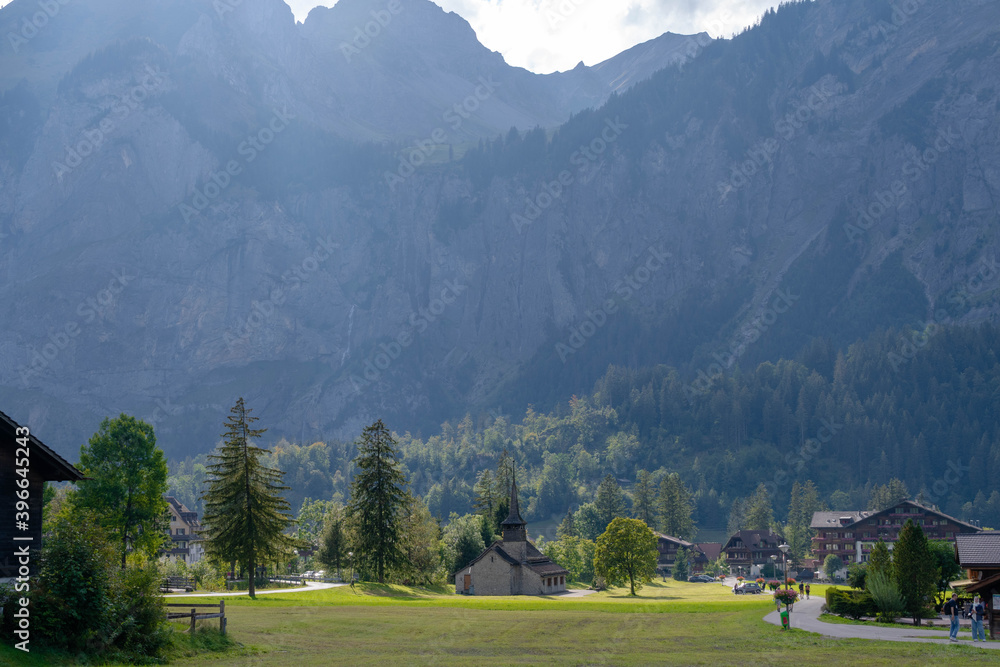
(978,612)
(951,611)
(807,591)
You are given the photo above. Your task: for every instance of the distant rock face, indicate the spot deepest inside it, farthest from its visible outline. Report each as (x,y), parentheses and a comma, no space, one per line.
(186,216)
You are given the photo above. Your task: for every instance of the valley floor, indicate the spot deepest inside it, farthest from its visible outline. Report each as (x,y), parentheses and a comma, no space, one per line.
(668,623)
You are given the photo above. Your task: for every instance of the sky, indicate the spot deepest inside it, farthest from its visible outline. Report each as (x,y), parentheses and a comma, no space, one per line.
(554,35)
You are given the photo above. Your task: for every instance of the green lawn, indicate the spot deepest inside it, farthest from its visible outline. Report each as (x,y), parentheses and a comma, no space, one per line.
(668,623)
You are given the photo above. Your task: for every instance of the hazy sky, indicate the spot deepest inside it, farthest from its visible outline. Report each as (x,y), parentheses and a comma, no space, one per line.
(549,35)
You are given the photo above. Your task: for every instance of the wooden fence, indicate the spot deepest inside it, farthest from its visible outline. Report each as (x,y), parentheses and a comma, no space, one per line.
(195,616)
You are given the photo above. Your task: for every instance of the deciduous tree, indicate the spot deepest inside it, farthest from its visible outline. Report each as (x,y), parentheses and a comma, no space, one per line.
(127,480)
(626,552)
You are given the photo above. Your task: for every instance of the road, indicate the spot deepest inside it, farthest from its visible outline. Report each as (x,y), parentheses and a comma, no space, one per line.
(310,586)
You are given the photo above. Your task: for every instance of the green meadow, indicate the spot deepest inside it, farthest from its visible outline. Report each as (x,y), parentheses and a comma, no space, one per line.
(667,623)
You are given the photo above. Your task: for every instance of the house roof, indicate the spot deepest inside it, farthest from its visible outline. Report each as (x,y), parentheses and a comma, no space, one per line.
(984,585)
(710,549)
(548,568)
(982,549)
(833,519)
(50,465)
(756,538)
(820,517)
(676,540)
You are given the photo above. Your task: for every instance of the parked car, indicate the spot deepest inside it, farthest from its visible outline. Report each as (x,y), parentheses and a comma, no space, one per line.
(701,579)
(748,588)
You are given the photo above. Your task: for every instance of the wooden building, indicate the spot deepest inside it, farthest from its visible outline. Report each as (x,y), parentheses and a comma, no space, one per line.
(701,555)
(851,535)
(979,555)
(184,532)
(747,551)
(24,457)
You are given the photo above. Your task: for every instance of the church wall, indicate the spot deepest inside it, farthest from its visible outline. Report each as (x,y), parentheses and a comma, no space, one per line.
(492,575)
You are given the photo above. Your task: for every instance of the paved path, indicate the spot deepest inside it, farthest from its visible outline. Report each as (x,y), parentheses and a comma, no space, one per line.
(576,593)
(805,616)
(310,586)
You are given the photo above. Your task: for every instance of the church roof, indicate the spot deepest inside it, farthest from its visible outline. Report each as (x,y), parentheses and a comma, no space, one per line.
(514,516)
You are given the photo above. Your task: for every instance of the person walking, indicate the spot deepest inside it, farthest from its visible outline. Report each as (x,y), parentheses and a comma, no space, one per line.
(807,591)
(802,590)
(978,612)
(951,611)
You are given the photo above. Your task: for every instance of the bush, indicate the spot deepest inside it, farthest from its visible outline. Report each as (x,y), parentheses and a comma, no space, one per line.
(853,604)
(85,603)
(885,594)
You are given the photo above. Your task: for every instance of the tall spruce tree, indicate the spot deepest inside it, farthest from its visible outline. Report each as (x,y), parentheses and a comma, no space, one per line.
(880,559)
(609,501)
(568,526)
(803,503)
(674,508)
(760,514)
(378,501)
(915,570)
(127,478)
(333,540)
(884,497)
(644,498)
(246,513)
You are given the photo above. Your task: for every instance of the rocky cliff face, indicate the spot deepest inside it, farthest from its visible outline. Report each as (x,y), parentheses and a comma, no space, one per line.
(189,216)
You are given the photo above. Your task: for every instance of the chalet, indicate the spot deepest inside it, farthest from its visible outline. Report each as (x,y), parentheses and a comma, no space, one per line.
(749,550)
(851,535)
(185,543)
(511,565)
(24,456)
(701,554)
(979,555)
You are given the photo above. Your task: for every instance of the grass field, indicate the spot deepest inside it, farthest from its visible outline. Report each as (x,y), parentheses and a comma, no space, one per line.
(668,623)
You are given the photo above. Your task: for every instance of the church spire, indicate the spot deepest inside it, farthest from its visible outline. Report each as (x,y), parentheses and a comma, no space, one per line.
(514,526)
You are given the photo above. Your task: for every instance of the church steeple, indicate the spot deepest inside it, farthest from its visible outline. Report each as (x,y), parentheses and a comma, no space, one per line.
(514,526)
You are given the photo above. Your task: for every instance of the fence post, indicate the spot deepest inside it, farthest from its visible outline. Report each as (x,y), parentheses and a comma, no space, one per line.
(222,621)
(194,616)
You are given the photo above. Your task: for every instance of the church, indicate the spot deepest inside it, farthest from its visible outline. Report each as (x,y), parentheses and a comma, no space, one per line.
(512,565)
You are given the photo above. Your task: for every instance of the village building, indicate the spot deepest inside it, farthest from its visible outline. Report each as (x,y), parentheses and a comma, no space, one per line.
(851,535)
(25,458)
(700,555)
(511,565)
(185,541)
(979,555)
(747,551)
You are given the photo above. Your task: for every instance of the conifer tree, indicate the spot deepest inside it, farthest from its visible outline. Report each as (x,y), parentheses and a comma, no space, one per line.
(680,572)
(880,560)
(609,501)
(377,502)
(568,526)
(333,540)
(246,513)
(915,570)
(674,508)
(643,499)
(760,514)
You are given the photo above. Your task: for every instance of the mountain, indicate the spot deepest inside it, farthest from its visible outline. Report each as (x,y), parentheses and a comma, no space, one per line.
(255,218)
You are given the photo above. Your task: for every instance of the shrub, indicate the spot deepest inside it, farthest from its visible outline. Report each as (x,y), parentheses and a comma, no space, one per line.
(885,593)
(84,602)
(853,604)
